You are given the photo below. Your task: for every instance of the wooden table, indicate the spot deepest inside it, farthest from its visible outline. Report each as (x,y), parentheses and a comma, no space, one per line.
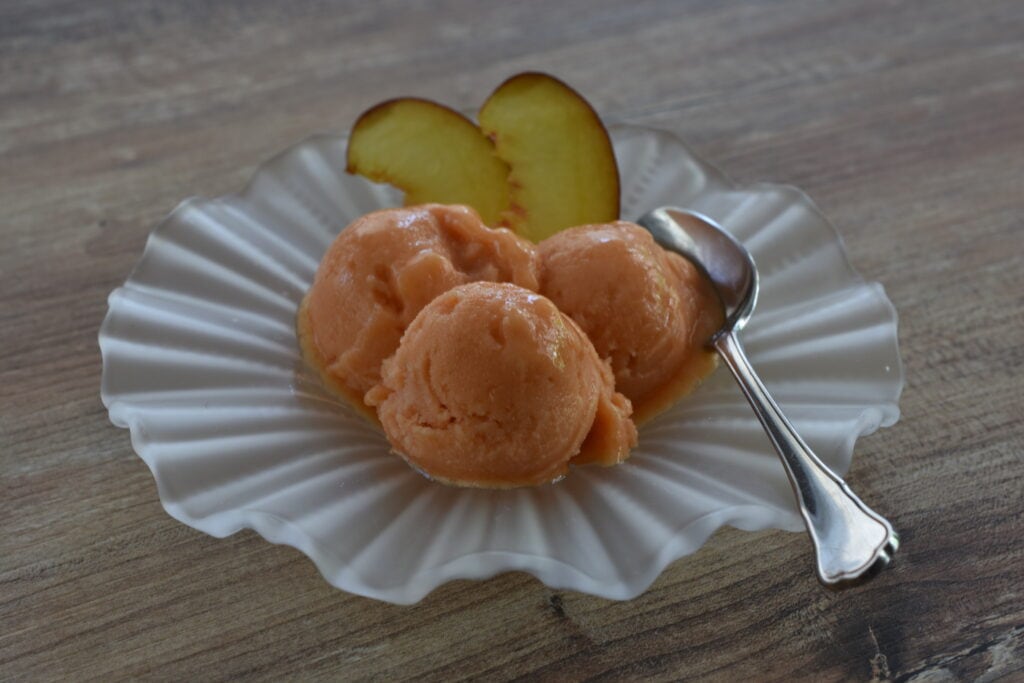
(905,122)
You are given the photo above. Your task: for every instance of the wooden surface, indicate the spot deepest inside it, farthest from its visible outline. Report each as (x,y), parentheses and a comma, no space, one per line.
(904,121)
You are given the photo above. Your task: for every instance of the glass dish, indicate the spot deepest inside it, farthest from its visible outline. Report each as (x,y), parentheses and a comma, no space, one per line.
(201,364)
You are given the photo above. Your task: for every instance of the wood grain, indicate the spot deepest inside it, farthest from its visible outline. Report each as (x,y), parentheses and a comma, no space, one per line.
(902,119)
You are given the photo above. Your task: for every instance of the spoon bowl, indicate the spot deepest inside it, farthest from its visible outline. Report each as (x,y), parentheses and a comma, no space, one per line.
(851,541)
(716,253)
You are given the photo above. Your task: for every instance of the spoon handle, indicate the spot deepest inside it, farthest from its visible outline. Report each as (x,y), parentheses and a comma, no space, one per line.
(850,539)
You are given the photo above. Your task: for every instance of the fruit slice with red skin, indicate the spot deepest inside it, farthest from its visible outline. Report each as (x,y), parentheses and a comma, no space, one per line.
(432,153)
(563,169)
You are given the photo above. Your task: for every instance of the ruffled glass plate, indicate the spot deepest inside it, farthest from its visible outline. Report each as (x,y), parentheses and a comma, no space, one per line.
(201,363)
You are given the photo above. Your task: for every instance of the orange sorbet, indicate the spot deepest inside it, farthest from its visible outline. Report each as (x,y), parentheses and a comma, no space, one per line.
(382,270)
(493,386)
(648,311)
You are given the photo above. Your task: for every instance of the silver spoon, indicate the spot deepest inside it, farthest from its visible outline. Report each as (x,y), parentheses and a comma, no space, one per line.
(851,541)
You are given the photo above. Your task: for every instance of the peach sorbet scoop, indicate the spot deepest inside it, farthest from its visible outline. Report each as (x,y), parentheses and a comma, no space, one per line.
(382,269)
(493,386)
(648,311)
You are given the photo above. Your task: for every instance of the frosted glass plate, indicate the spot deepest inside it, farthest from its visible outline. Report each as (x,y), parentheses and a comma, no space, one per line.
(201,363)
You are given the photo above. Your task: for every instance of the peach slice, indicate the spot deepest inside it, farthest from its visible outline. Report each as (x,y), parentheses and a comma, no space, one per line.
(563,169)
(433,153)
